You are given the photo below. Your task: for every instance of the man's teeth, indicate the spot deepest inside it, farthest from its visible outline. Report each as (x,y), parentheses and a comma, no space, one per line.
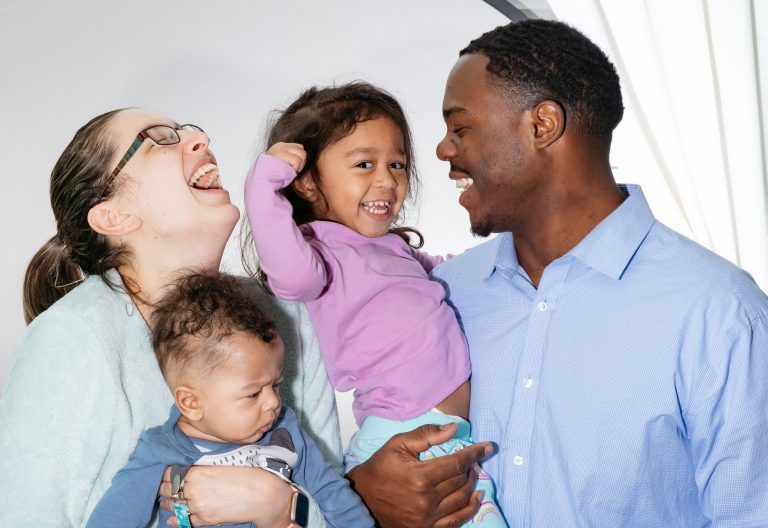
(378,207)
(209,169)
(464,183)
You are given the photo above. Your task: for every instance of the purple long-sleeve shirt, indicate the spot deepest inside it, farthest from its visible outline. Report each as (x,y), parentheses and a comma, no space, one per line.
(384,328)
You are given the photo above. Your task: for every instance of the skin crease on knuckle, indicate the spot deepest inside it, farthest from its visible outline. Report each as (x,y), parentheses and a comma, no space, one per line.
(422,484)
(459,488)
(463,515)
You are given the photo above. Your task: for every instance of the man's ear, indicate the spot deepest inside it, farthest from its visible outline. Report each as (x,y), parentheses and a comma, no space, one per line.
(305,187)
(188,402)
(548,123)
(105,218)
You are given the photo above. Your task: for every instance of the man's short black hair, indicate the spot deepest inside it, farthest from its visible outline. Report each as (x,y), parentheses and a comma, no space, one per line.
(535,60)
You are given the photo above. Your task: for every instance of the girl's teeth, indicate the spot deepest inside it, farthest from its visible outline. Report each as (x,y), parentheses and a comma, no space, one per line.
(378,207)
(464,183)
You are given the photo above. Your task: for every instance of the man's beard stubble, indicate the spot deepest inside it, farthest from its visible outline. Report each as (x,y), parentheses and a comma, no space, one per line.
(481,229)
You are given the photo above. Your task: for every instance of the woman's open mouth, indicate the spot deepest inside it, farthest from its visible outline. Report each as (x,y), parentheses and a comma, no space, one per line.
(206,177)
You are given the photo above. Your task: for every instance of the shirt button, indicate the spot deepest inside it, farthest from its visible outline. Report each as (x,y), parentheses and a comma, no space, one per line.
(543,306)
(518,460)
(527,383)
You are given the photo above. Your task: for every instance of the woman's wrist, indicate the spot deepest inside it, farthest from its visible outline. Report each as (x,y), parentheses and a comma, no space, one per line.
(282,499)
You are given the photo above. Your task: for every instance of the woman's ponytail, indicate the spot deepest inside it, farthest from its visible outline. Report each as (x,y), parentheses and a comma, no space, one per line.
(51,274)
(79,181)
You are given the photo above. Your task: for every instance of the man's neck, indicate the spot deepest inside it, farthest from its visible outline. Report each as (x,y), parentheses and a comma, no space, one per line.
(553,234)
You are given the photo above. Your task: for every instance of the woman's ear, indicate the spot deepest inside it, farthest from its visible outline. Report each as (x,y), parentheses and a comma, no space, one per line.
(105,218)
(548,123)
(305,187)
(188,403)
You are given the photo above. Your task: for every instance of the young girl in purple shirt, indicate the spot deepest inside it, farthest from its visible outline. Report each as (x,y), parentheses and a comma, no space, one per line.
(323,204)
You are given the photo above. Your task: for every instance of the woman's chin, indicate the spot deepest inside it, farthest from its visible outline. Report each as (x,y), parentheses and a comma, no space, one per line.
(213,197)
(220,221)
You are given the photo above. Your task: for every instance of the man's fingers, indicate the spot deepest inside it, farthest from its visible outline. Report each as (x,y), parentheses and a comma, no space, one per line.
(424,437)
(462,516)
(459,463)
(426,491)
(456,493)
(464,483)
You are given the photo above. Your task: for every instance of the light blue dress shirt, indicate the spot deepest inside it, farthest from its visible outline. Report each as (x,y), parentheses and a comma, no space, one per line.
(629,390)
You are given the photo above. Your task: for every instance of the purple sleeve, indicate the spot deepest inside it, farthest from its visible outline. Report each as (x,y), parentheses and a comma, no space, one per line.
(426,260)
(295,269)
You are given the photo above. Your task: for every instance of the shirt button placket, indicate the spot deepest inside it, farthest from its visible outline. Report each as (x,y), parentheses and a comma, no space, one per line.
(521,423)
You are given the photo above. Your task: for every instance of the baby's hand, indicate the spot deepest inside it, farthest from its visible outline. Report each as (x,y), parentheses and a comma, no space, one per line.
(291,153)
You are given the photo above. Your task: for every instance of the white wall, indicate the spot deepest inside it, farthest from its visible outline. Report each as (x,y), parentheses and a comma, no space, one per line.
(222,65)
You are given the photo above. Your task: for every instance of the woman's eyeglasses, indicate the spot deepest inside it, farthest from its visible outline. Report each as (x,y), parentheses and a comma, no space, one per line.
(159,134)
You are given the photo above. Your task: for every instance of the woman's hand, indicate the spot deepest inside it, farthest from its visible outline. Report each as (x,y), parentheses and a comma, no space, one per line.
(402,491)
(227,494)
(291,153)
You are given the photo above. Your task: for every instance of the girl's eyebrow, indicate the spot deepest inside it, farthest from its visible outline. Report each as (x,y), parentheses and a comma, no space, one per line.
(360,150)
(366,150)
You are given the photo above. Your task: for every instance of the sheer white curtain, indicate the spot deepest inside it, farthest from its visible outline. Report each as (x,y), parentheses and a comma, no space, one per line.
(694,131)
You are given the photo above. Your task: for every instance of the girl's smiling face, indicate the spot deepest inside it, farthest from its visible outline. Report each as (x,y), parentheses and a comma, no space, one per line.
(364,178)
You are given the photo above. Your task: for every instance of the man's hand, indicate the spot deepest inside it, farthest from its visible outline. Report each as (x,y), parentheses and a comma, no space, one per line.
(402,491)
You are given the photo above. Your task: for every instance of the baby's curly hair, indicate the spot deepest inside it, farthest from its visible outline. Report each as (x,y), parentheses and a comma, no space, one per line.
(197,313)
(534,60)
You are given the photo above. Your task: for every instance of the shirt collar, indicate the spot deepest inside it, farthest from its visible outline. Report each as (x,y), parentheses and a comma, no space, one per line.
(505,257)
(608,248)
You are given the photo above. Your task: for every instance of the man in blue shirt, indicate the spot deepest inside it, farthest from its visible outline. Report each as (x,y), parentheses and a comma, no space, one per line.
(621,368)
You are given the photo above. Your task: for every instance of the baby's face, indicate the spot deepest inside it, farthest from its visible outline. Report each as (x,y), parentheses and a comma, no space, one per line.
(241,400)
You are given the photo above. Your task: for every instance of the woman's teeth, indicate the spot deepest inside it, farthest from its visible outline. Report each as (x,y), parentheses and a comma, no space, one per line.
(209,170)
(378,207)
(464,183)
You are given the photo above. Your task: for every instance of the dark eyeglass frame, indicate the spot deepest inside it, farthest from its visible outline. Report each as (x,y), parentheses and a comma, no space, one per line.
(169,137)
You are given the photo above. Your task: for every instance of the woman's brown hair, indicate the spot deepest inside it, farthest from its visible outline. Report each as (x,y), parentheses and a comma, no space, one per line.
(79,181)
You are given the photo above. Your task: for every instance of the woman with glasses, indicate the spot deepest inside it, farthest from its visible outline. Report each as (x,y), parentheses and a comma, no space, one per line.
(137,200)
